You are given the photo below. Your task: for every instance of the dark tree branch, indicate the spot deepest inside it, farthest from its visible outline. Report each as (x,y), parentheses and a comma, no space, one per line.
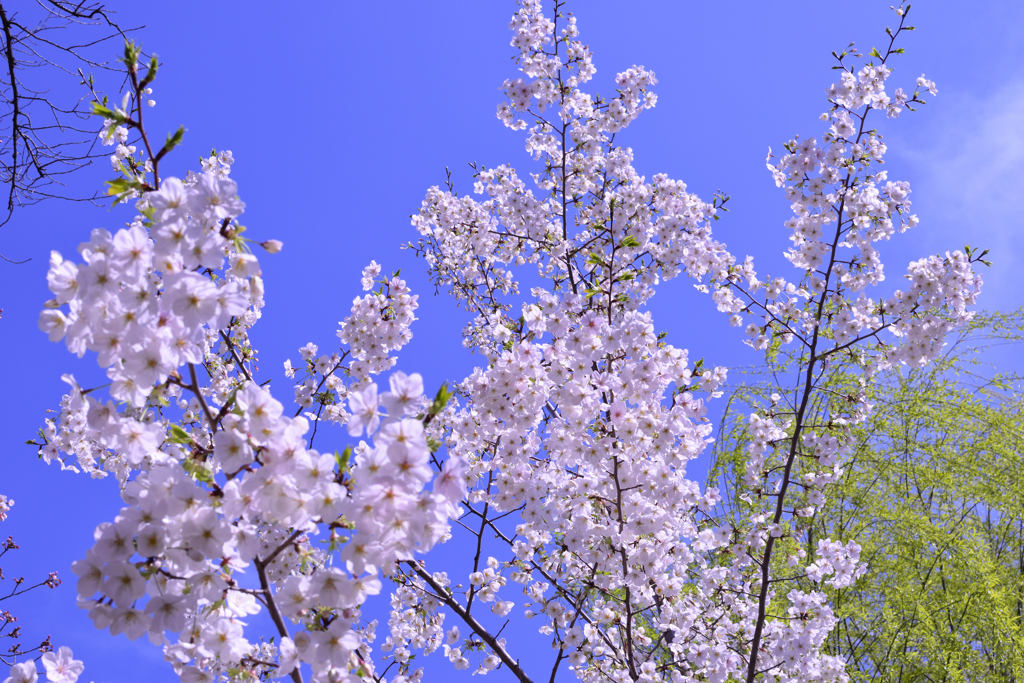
(45,136)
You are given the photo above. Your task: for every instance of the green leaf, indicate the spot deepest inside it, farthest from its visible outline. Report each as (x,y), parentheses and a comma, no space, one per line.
(122,187)
(325,398)
(342,459)
(629,241)
(118,185)
(150,73)
(131,54)
(178,435)
(173,140)
(100,110)
(441,399)
(197,471)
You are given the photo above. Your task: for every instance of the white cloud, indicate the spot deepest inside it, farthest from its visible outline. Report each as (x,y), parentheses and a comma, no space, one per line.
(967,172)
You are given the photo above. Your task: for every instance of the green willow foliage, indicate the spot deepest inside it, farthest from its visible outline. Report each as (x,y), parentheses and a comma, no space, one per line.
(934,494)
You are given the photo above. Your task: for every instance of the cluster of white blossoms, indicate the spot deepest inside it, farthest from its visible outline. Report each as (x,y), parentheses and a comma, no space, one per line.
(224,492)
(144,302)
(843,206)
(60,667)
(568,449)
(378,325)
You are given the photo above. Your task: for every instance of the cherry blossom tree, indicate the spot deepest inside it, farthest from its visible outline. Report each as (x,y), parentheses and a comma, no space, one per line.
(568,446)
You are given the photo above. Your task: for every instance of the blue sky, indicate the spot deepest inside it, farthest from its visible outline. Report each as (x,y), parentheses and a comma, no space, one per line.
(341,115)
